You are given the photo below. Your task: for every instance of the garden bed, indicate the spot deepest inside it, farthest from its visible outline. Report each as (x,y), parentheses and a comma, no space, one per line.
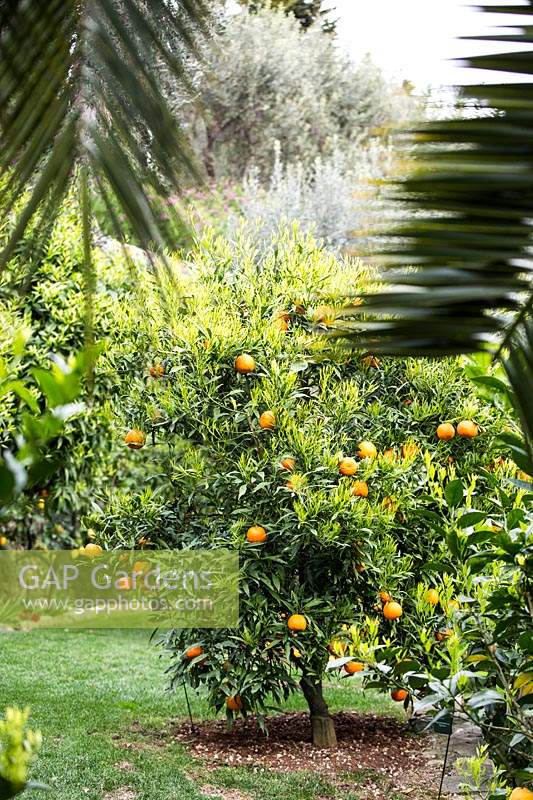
(365,743)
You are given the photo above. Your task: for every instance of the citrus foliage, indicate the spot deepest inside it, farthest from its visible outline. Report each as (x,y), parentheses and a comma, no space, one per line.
(493,683)
(18,747)
(40,327)
(259,415)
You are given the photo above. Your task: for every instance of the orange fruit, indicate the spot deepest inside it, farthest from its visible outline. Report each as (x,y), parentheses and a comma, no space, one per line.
(3,541)
(432,596)
(140,566)
(521,793)
(244,363)
(256,534)
(440,636)
(467,429)
(367,450)
(135,439)
(297,622)
(385,597)
(267,421)
(371,361)
(359,489)
(194,652)
(281,324)
(92,550)
(392,610)
(347,466)
(353,666)
(445,431)
(234,703)
(287,463)
(399,695)
(410,450)
(157,371)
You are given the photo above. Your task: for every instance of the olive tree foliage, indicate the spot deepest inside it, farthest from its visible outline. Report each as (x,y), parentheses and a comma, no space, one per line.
(267,79)
(307,12)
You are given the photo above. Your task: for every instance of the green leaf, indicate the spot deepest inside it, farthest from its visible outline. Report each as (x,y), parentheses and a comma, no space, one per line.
(471,518)
(453,493)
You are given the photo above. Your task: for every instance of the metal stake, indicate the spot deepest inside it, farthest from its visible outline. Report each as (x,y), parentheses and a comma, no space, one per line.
(188,706)
(445,761)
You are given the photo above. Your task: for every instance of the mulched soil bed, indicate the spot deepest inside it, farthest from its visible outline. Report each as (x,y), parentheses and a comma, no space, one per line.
(365,742)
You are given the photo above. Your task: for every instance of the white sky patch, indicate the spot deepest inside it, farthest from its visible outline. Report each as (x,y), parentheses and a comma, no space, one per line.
(415,39)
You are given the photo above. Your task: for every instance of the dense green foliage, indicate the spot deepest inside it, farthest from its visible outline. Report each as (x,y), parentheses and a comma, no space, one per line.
(328,553)
(269,81)
(50,315)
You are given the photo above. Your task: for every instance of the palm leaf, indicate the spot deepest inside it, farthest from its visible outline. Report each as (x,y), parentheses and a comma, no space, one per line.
(459,277)
(79,89)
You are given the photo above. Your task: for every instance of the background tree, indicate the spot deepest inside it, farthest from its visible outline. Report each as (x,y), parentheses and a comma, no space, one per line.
(268,81)
(306,11)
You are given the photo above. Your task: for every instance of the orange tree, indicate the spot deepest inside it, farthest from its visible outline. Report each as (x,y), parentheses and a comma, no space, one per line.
(322,468)
(50,315)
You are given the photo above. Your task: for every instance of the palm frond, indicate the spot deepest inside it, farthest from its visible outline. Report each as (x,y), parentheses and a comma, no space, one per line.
(458,278)
(79,88)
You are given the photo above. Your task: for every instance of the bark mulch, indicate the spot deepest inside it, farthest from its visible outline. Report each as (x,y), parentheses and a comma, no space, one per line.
(365,743)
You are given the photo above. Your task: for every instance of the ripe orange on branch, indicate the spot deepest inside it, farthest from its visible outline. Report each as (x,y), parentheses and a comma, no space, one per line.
(399,695)
(267,421)
(347,466)
(297,622)
(359,489)
(385,597)
(234,703)
(288,463)
(392,610)
(353,666)
(135,439)
(445,431)
(92,550)
(157,371)
(256,534)
(194,652)
(467,429)
(521,793)
(244,363)
(367,450)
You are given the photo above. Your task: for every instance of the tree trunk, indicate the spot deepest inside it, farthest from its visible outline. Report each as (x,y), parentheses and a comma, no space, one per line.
(322,727)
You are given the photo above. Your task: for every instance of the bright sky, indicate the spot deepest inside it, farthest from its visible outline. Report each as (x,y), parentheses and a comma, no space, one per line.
(413,38)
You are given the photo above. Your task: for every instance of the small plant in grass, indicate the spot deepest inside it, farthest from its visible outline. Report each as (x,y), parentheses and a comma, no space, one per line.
(314,554)
(18,748)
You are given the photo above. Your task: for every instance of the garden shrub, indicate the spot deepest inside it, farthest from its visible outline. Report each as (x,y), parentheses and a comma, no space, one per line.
(329,550)
(492,682)
(18,748)
(338,198)
(50,308)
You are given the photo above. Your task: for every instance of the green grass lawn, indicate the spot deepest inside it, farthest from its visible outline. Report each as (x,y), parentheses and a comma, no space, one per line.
(86,689)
